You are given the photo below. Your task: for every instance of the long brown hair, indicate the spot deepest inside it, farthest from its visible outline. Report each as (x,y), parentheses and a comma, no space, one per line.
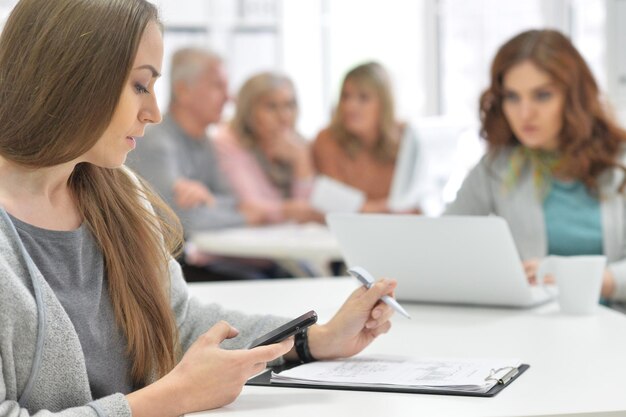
(63,66)
(371,75)
(590,141)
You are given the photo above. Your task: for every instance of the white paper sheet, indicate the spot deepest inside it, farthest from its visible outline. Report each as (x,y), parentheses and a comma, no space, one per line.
(470,375)
(332,196)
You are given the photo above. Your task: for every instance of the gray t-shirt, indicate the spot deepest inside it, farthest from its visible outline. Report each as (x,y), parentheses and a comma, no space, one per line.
(73,266)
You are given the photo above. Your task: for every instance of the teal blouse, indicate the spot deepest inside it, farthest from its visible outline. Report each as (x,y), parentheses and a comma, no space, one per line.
(573,220)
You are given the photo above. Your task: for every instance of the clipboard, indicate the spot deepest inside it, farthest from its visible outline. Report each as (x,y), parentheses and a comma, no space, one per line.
(264,379)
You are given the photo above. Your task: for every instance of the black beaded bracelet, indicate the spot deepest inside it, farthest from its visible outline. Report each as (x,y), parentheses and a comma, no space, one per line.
(302,346)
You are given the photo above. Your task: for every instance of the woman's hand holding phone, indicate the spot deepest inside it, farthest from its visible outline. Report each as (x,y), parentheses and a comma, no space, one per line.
(208,376)
(286,330)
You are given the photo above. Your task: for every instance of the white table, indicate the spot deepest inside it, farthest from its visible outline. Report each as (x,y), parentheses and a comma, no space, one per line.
(285,243)
(577,364)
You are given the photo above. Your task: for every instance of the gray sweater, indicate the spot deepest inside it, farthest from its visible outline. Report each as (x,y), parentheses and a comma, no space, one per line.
(484,193)
(167,153)
(42,366)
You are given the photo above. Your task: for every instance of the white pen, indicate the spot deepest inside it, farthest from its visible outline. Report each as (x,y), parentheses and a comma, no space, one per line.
(367,280)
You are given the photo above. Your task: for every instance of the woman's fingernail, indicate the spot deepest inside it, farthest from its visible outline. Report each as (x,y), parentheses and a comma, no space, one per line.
(376,314)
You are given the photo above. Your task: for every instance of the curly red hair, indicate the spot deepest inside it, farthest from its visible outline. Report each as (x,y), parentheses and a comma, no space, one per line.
(590,140)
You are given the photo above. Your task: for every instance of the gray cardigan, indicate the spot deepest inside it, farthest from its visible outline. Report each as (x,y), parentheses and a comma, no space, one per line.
(484,193)
(42,366)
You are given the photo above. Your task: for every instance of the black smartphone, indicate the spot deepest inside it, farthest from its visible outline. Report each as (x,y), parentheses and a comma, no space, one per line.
(286,330)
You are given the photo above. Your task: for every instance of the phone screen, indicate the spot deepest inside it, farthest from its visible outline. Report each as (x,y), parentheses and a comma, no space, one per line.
(286,330)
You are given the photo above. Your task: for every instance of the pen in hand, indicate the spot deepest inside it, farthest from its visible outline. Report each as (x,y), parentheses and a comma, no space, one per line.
(367,280)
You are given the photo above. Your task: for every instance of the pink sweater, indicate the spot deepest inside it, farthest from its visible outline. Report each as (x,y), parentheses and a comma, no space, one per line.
(249,181)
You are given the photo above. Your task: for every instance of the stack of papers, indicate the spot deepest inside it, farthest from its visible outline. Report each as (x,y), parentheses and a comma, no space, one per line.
(462,375)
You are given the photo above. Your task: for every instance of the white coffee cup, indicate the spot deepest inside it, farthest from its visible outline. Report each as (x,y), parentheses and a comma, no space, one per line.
(578,279)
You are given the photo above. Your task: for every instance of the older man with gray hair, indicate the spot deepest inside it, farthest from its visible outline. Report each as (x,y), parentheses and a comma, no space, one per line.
(177,157)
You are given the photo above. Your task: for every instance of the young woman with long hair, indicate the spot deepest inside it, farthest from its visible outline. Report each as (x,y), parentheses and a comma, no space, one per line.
(362,145)
(555,162)
(95,317)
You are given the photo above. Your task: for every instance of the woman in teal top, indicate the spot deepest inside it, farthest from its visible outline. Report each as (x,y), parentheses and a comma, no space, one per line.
(554,168)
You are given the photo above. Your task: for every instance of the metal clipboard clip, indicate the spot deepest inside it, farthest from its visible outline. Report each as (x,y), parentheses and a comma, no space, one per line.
(502,375)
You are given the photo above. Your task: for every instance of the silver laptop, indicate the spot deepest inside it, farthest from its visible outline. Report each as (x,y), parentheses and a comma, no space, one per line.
(451,259)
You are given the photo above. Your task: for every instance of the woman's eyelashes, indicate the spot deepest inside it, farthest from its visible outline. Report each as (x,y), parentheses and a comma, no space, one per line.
(141,89)
(541,95)
(511,97)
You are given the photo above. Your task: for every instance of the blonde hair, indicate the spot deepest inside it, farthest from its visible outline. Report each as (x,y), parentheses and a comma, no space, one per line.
(63,66)
(248,97)
(371,75)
